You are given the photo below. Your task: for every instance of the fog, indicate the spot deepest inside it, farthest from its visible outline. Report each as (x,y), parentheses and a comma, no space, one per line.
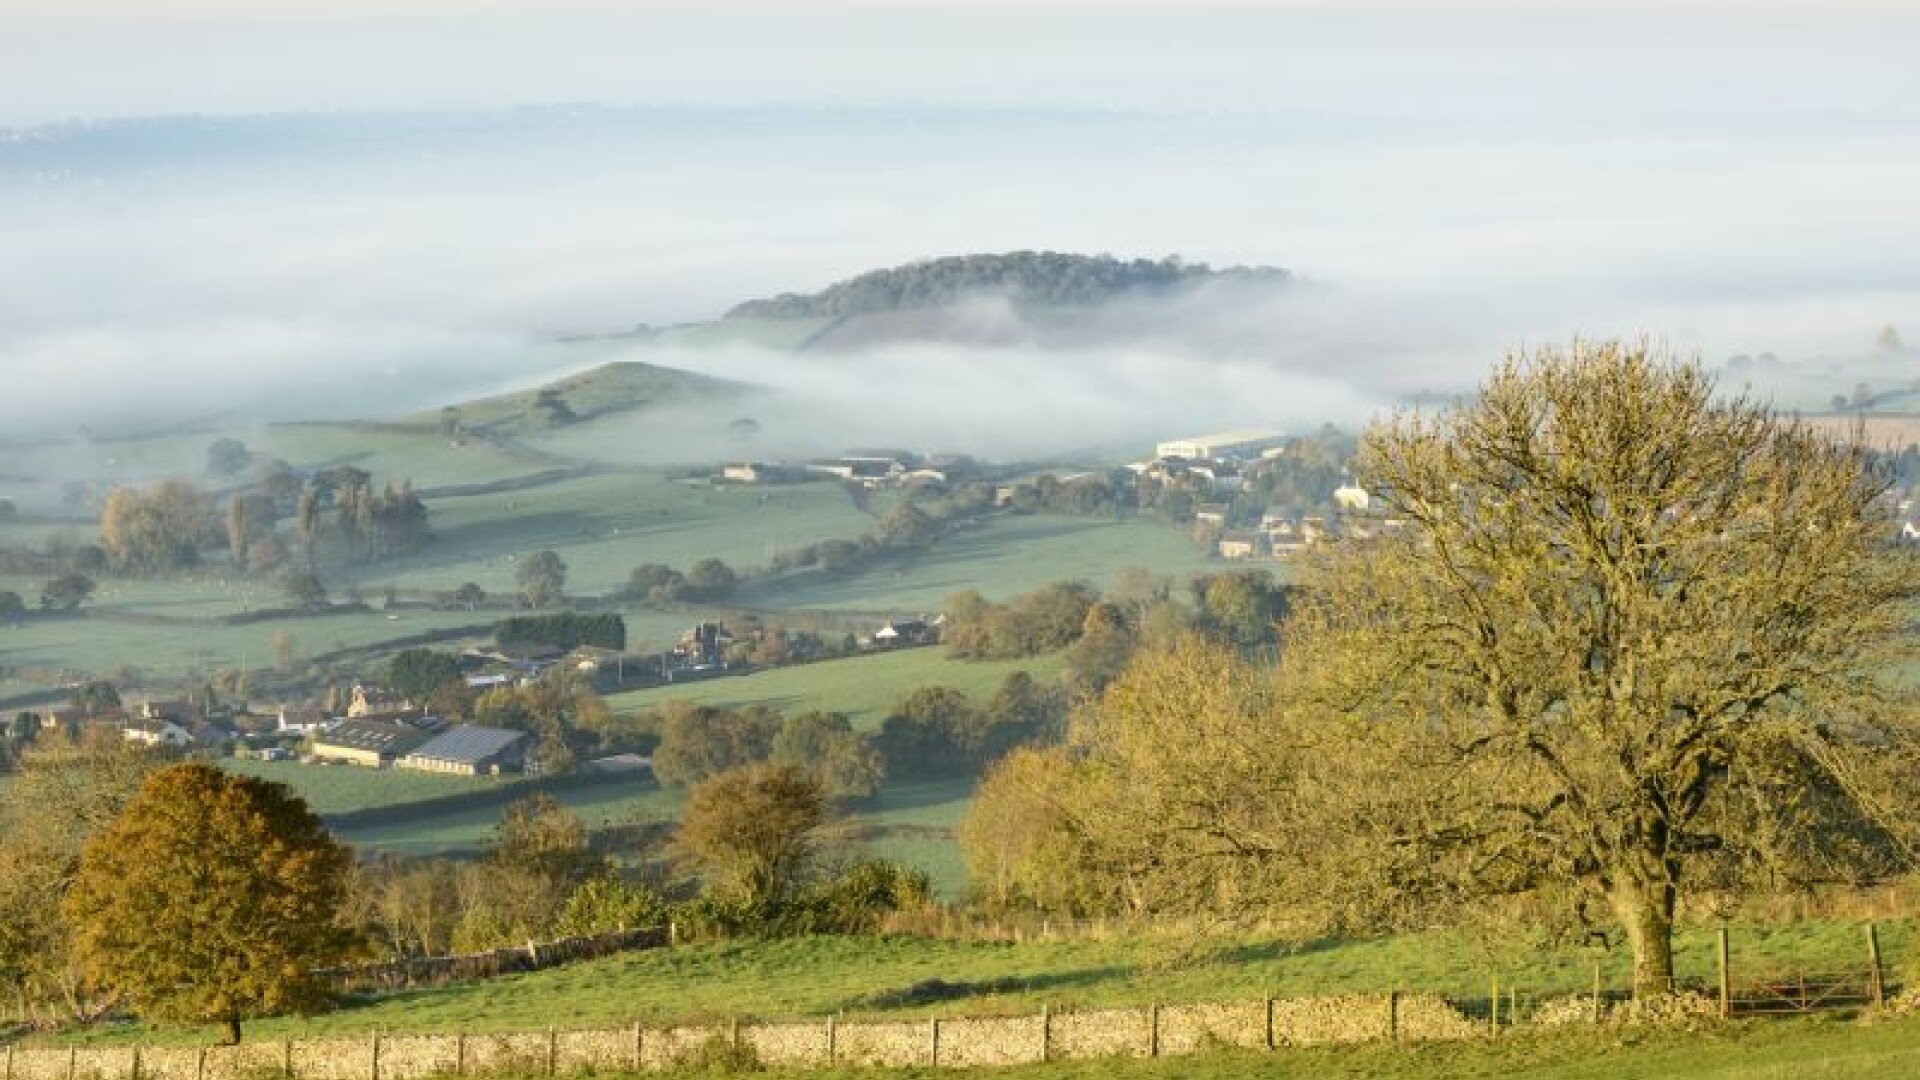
(355,265)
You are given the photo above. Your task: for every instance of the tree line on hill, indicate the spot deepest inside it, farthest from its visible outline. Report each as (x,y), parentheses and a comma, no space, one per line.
(1028,278)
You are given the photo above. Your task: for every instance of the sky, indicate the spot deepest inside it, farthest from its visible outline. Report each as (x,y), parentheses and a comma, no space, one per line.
(427,196)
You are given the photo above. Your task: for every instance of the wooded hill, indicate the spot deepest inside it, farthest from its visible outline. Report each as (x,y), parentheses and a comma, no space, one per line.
(1025,278)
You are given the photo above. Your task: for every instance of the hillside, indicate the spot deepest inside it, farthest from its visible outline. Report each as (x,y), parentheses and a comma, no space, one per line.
(1026,279)
(606,390)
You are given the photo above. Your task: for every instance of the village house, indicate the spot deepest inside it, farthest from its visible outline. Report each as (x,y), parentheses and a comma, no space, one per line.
(372,743)
(1214,514)
(1239,545)
(469,750)
(375,701)
(155,732)
(1351,497)
(900,633)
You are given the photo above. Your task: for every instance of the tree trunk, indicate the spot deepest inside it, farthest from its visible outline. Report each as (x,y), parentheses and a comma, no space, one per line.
(1645,910)
(233,1029)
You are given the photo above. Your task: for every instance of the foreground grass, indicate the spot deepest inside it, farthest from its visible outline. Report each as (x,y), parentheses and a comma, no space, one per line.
(1750,1050)
(914,977)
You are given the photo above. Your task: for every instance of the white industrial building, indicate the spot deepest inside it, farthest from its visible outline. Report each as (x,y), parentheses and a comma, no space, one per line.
(1246,443)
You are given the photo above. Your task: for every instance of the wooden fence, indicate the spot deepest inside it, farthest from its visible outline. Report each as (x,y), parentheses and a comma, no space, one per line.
(436,970)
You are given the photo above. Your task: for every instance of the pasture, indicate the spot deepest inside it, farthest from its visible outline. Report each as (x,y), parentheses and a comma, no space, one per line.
(340,789)
(866,687)
(903,977)
(1002,557)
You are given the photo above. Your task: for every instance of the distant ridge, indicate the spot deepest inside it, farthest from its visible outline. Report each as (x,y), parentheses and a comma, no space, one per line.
(1029,279)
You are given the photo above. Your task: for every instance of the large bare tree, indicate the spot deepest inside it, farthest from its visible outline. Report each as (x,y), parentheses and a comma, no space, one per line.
(1629,635)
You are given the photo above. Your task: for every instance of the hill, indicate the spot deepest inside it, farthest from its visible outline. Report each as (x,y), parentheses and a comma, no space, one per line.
(1026,279)
(609,389)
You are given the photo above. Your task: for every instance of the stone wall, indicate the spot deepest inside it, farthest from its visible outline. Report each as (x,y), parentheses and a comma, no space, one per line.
(964,1042)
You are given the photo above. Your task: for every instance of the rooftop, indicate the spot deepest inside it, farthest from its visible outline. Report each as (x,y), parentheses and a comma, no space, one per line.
(468,743)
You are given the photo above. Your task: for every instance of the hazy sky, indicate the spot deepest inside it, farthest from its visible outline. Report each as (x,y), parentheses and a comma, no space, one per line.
(74,58)
(1736,177)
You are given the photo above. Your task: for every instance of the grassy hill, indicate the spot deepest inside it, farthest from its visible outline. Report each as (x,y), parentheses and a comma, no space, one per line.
(610,389)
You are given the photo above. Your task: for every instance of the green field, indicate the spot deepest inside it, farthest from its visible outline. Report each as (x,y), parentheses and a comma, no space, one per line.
(1005,556)
(340,789)
(891,976)
(863,687)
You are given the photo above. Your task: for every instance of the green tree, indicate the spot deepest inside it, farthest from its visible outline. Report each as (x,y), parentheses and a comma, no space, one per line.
(11,606)
(66,592)
(825,745)
(542,578)
(1635,635)
(698,742)
(710,579)
(469,595)
(304,588)
(602,905)
(750,832)
(210,898)
(907,527)
(64,790)
(226,457)
(417,673)
(540,836)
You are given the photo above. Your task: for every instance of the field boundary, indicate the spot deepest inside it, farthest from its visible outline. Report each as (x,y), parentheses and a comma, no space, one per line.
(1143,1031)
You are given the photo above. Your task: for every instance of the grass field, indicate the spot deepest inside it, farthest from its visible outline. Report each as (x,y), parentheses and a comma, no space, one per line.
(863,687)
(339,789)
(890,976)
(1008,555)
(465,830)
(603,526)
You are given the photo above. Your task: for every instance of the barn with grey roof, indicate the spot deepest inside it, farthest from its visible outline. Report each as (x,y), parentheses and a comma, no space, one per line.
(469,750)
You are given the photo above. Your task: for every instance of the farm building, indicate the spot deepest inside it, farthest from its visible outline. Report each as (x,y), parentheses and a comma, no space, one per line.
(156,732)
(899,632)
(468,750)
(1244,443)
(373,743)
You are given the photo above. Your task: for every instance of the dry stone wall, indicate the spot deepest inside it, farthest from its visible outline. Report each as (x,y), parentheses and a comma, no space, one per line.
(948,1043)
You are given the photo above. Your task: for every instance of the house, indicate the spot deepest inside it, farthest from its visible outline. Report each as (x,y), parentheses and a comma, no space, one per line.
(706,643)
(1211,514)
(179,711)
(1910,531)
(902,632)
(1239,545)
(148,732)
(373,701)
(744,472)
(1351,497)
(484,683)
(372,743)
(304,720)
(470,750)
(1274,519)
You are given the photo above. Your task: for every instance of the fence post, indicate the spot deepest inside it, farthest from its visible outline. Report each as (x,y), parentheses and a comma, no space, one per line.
(199,1063)
(733,1032)
(831,1039)
(375,1056)
(460,1053)
(933,1043)
(1393,1018)
(136,1062)
(286,1058)
(638,1047)
(1046,1034)
(1153,1021)
(1726,978)
(1596,990)
(553,1050)
(1877,985)
(1493,1007)
(1267,1041)
(73,1061)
